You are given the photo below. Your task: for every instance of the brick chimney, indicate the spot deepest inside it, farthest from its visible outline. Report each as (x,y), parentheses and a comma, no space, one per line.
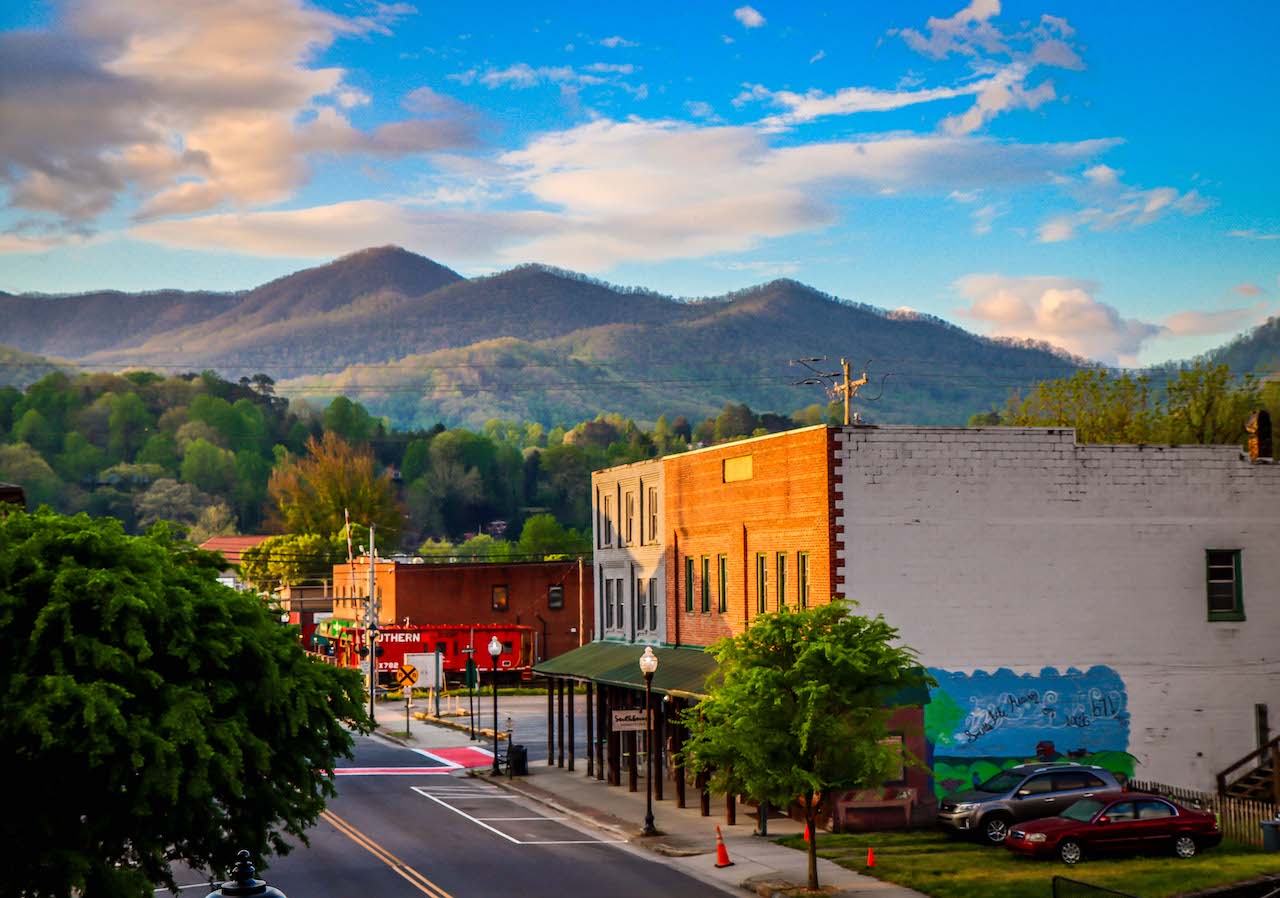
(1258,428)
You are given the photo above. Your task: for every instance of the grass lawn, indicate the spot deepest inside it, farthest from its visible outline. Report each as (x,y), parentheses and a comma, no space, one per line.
(931,863)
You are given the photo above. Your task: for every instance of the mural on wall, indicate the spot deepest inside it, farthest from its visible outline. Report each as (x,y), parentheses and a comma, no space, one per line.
(979,723)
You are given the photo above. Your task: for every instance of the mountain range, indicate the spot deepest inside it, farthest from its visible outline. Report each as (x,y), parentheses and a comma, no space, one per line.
(417,342)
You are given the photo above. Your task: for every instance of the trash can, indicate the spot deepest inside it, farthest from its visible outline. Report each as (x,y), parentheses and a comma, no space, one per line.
(518,759)
(1270,835)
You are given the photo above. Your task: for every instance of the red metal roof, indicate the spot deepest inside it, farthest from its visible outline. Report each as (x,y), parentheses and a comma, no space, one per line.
(232,546)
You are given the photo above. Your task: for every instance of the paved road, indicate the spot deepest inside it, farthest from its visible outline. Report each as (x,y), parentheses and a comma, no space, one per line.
(404,825)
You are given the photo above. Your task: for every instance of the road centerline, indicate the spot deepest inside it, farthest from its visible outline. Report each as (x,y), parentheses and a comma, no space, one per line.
(414,878)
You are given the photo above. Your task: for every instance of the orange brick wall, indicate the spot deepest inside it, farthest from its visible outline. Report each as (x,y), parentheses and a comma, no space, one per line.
(787,506)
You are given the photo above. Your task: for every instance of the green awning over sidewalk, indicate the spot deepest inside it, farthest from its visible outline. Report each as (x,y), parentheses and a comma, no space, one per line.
(681,671)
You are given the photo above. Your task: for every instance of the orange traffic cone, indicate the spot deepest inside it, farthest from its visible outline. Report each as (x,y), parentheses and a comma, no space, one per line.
(722,853)
(871,857)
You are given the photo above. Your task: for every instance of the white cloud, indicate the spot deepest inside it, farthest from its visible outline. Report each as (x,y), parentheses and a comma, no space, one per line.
(821,54)
(612,191)
(1004,91)
(967,32)
(761,267)
(521,76)
(224,104)
(617,41)
(984,217)
(702,110)
(1061,311)
(749,17)
(1067,313)
(1252,234)
(815,104)
(1248,289)
(1108,203)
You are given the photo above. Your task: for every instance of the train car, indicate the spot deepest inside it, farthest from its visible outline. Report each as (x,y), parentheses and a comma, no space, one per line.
(451,640)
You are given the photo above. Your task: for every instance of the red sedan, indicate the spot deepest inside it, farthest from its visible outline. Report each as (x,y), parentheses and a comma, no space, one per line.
(1116,822)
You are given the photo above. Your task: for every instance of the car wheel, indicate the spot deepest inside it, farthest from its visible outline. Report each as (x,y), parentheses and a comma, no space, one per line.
(996,828)
(1184,846)
(1070,851)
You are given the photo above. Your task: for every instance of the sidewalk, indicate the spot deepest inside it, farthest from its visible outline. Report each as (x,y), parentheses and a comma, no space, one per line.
(687,840)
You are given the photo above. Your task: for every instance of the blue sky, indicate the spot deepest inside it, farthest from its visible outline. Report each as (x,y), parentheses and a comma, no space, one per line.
(1062,172)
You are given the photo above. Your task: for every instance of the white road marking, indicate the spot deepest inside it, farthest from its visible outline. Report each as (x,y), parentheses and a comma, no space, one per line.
(480,822)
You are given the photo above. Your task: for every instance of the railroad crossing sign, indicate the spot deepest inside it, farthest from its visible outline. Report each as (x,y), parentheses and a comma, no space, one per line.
(406,676)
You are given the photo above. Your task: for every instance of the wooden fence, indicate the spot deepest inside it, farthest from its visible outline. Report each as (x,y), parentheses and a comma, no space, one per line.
(1238,818)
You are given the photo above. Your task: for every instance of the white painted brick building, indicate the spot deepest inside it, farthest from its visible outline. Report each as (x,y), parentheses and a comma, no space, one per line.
(630,559)
(1061,593)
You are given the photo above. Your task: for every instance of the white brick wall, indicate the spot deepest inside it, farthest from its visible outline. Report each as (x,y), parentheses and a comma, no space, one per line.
(643,557)
(1015,548)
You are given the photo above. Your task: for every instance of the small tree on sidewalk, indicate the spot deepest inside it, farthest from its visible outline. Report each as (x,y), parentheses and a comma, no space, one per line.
(797,710)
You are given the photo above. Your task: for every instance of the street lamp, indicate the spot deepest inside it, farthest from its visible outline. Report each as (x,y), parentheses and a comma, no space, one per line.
(495,649)
(649,664)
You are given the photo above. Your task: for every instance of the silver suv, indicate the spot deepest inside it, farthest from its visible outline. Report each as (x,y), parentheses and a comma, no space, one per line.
(1025,792)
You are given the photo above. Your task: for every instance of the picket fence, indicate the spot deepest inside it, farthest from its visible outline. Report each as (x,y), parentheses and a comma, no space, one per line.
(1238,818)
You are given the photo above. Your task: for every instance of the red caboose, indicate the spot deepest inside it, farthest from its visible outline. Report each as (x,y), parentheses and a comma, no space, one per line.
(451,640)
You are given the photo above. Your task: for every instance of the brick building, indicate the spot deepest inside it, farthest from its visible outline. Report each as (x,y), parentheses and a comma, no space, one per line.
(544,595)
(1109,603)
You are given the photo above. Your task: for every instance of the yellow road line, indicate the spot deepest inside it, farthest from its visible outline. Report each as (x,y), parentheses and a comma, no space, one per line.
(416,879)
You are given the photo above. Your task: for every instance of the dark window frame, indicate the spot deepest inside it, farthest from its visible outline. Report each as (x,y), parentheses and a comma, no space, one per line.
(802,579)
(688,584)
(500,597)
(762,582)
(706,584)
(1215,560)
(722,583)
(780,587)
(555,597)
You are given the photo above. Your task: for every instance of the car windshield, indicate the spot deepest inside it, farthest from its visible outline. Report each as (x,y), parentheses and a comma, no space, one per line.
(1002,782)
(1083,810)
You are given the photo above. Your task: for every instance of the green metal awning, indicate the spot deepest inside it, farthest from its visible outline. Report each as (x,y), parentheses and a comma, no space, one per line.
(681,671)
(332,627)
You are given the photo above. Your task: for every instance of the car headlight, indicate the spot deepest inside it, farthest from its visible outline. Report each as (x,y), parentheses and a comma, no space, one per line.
(1036,837)
(965,808)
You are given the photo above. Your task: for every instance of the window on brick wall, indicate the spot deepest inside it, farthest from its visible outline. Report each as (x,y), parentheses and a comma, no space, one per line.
(653,603)
(802,579)
(762,583)
(706,583)
(498,598)
(737,469)
(606,521)
(780,581)
(608,602)
(617,598)
(653,514)
(641,605)
(722,583)
(629,519)
(1225,589)
(688,584)
(555,596)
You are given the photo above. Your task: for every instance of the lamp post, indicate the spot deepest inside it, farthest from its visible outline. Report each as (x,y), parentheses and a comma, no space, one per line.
(495,649)
(242,882)
(648,664)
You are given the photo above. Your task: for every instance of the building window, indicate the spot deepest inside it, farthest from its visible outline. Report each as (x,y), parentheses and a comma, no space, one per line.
(653,514)
(617,597)
(781,586)
(555,597)
(498,598)
(640,605)
(628,522)
(706,584)
(608,603)
(688,584)
(653,603)
(762,583)
(736,469)
(802,579)
(722,584)
(1225,593)
(606,521)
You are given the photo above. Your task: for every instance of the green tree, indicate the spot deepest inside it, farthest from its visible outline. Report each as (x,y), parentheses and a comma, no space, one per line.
(311,492)
(136,688)
(128,425)
(798,707)
(291,559)
(169,500)
(483,547)
(440,549)
(209,468)
(214,520)
(349,420)
(1101,406)
(544,535)
(36,431)
(1206,405)
(734,421)
(24,466)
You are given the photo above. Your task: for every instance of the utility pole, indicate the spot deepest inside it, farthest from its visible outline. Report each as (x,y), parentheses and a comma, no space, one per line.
(849,389)
(371,626)
(580,633)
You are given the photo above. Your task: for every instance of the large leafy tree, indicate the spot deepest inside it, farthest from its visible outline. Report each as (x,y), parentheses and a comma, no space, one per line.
(312,491)
(798,707)
(162,716)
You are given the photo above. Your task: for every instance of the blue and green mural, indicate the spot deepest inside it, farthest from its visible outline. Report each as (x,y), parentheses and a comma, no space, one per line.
(980,723)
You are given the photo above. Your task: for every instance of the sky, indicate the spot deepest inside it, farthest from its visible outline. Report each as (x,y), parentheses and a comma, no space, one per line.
(1098,176)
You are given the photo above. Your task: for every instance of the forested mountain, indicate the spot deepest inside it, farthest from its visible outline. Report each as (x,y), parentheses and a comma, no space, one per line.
(531,343)
(1256,352)
(18,368)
